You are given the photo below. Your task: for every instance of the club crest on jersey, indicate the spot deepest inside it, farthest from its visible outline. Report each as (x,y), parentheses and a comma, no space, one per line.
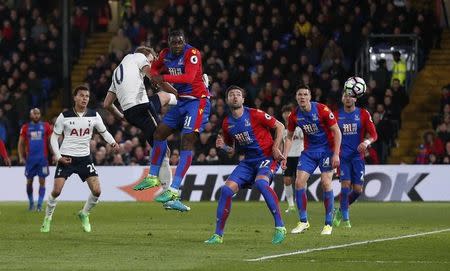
(314,117)
(356,117)
(72,122)
(79,132)
(180,62)
(247,123)
(194,59)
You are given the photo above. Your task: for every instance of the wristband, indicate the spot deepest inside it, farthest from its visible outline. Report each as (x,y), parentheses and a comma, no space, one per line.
(366,142)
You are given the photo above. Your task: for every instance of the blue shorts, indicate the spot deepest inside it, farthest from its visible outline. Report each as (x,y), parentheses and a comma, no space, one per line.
(309,161)
(247,170)
(352,169)
(37,167)
(189,115)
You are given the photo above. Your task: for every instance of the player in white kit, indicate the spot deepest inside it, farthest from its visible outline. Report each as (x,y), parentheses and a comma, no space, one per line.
(77,126)
(138,109)
(292,160)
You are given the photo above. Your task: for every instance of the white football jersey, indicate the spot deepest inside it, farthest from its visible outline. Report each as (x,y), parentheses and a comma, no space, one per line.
(128,81)
(78,131)
(297,142)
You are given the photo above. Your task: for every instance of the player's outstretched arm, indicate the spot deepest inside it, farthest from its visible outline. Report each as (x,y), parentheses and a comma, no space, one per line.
(108,103)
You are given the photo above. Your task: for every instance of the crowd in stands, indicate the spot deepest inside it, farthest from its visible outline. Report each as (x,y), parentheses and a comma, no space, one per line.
(435,148)
(267,47)
(30,51)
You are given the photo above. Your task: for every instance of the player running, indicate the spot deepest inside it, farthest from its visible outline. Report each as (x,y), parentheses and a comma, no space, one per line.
(184,65)
(292,160)
(77,126)
(355,124)
(138,109)
(322,143)
(35,136)
(248,130)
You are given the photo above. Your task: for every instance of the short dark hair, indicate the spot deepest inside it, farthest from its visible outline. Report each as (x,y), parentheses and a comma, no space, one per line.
(79,88)
(286,108)
(303,86)
(176,33)
(145,51)
(234,87)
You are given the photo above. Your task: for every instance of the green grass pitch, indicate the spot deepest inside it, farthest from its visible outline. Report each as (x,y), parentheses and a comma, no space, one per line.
(143,236)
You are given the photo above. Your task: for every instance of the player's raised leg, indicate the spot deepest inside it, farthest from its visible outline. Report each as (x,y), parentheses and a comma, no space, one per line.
(302,201)
(262,183)
(51,203)
(157,156)
(92,201)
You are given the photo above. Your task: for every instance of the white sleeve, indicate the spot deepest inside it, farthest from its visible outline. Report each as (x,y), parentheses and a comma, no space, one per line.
(101,128)
(112,88)
(141,60)
(55,145)
(59,125)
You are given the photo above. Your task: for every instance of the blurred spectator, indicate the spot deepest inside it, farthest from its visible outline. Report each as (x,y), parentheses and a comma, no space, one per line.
(398,68)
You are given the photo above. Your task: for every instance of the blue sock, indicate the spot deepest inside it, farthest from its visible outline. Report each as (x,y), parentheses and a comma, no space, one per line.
(41,195)
(353,196)
(345,191)
(302,202)
(328,202)
(223,209)
(158,153)
(30,193)
(183,166)
(271,200)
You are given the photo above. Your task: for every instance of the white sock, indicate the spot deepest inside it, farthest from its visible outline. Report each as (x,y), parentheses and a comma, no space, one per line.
(289,194)
(165,174)
(90,203)
(51,205)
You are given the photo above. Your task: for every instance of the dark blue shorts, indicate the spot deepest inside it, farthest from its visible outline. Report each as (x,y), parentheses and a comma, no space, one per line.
(188,115)
(352,170)
(36,167)
(309,161)
(247,170)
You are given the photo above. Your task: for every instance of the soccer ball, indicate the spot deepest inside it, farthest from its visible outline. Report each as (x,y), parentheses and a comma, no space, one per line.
(355,87)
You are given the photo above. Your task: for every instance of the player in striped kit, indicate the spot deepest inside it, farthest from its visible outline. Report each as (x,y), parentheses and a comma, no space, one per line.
(322,141)
(181,65)
(139,109)
(358,132)
(35,136)
(77,126)
(248,130)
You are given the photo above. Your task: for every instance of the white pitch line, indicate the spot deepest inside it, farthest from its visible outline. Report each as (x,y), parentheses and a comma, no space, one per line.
(344,245)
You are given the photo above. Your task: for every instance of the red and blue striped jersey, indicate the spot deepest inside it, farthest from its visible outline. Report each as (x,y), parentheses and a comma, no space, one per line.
(36,137)
(184,71)
(315,125)
(250,132)
(354,126)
